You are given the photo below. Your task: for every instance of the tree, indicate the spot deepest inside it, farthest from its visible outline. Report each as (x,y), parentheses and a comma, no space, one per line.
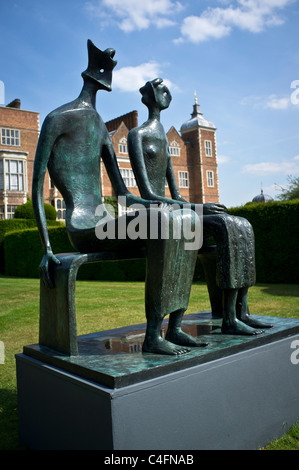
(292,192)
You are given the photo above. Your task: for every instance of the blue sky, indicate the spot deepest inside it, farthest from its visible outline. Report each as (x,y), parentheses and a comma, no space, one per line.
(241,57)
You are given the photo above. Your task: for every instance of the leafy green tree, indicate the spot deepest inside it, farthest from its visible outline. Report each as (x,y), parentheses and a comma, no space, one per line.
(292,192)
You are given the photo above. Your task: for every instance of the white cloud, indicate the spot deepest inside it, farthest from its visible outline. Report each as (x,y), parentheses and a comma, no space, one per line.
(201,28)
(133,15)
(267,168)
(270,102)
(250,15)
(274,102)
(223,159)
(132,78)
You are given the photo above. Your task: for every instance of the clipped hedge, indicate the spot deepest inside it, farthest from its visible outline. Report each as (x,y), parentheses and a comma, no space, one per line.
(24,252)
(25,211)
(276,229)
(12,225)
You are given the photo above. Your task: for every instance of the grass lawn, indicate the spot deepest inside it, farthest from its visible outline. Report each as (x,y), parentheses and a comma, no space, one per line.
(101,306)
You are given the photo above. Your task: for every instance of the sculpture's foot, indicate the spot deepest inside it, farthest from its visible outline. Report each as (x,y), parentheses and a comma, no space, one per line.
(183,339)
(236,327)
(254,323)
(162,346)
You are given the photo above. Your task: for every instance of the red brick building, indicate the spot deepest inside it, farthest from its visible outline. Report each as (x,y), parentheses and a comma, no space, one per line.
(19,131)
(193,152)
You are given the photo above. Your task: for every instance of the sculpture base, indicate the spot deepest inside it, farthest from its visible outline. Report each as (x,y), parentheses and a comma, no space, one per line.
(237,393)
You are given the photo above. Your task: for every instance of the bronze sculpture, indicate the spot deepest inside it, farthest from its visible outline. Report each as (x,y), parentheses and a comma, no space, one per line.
(72,142)
(151,163)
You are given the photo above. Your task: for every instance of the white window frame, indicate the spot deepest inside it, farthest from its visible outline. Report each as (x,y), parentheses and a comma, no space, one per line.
(10,175)
(6,157)
(10,137)
(123,146)
(128,177)
(183,179)
(10,211)
(174,149)
(210,179)
(208,148)
(60,208)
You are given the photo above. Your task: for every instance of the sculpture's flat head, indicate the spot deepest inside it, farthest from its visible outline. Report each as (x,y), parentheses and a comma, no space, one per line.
(100,66)
(155,91)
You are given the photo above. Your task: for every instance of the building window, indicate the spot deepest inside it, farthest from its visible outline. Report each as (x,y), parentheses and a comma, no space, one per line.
(10,137)
(183,179)
(128,177)
(2,213)
(208,147)
(123,146)
(60,208)
(210,179)
(10,211)
(174,149)
(14,175)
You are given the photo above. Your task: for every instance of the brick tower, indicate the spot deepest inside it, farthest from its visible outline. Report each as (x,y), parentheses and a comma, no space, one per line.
(199,135)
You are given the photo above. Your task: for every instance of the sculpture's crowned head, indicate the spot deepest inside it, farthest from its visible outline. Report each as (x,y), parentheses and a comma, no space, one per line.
(155,91)
(100,66)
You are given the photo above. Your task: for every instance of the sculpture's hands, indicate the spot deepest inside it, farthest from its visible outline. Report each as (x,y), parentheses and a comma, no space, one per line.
(132,200)
(44,268)
(165,206)
(210,209)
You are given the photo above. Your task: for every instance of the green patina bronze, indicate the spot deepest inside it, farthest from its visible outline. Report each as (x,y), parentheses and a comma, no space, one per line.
(114,358)
(234,272)
(73,142)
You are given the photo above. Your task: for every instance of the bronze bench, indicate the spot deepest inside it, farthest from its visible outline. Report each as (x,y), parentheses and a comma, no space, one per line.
(58,327)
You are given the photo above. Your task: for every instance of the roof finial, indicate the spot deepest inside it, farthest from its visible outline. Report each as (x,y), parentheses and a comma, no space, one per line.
(196,107)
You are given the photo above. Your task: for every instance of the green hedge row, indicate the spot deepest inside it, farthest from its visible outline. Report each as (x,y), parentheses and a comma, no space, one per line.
(25,211)
(23,250)
(12,225)
(276,228)
(23,254)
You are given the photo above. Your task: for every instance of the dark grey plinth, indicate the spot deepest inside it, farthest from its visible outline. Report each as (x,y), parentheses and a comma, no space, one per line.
(241,400)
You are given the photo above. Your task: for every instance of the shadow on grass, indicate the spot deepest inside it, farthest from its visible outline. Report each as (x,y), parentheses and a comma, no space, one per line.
(281,290)
(9,436)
